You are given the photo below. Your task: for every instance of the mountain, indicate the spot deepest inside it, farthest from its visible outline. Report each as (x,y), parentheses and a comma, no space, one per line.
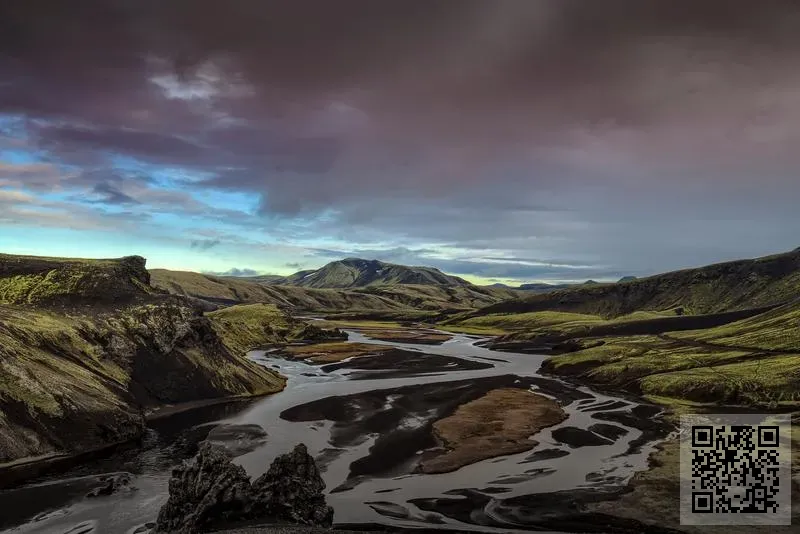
(357,272)
(543,288)
(721,287)
(627,279)
(386,300)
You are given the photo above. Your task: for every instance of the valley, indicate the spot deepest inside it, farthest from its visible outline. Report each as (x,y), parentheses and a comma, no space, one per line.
(440,404)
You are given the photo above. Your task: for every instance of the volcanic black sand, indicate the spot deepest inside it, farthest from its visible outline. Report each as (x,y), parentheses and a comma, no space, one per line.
(397,363)
(403,417)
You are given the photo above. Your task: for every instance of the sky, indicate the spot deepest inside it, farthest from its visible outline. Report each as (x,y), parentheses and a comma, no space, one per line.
(503,140)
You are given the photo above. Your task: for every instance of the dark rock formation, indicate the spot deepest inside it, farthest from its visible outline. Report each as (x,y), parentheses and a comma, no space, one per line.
(292,490)
(210,491)
(205,492)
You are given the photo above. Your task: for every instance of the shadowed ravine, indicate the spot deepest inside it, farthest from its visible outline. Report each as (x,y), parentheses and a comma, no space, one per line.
(368,427)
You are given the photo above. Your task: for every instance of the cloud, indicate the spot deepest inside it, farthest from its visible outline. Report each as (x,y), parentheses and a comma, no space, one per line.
(621,135)
(205,244)
(235,271)
(111,195)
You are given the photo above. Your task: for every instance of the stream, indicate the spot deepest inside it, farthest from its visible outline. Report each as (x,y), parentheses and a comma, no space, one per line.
(368,482)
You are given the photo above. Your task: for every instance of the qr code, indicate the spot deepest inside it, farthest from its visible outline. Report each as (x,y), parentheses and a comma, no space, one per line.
(735,469)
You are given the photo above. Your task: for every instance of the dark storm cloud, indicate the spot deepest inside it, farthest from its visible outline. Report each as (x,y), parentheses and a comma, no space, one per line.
(615,132)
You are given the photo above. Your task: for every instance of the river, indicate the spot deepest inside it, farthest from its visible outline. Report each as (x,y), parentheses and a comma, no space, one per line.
(395,496)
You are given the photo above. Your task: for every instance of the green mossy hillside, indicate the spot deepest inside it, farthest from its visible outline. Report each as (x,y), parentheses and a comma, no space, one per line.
(38,280)
(394,300)
(718,288)
(754,361)
(251,326)
(70,382)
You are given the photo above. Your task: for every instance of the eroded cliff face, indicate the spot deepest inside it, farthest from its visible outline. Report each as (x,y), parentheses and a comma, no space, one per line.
(80,370)
(57,281)
(73,382)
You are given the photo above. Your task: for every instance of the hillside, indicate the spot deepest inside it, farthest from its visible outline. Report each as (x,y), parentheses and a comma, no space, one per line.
(84,376)
(356,272)
(752,361)
(374,299)
(39,280)
(715,288)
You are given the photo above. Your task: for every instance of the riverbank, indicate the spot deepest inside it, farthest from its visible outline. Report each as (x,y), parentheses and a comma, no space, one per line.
(371,422)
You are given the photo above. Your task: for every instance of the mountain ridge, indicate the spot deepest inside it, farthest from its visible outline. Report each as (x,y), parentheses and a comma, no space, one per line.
(719,287)
(350,273)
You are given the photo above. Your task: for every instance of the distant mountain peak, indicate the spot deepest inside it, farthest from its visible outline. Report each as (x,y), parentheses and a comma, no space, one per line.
(359,272)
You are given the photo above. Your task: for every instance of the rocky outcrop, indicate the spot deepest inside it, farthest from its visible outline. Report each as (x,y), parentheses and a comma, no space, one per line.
(292,489)
(210,491)
(205,492)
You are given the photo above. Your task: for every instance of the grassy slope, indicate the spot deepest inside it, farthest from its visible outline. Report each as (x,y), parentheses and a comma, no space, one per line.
(711,289)
(752,361)
(247,327)
(778,329)
(721,349)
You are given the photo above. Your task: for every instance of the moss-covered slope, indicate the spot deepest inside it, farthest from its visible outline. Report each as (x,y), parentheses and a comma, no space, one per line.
(88,347)
(716,288)
(39,280)
(73,382)
(753,361)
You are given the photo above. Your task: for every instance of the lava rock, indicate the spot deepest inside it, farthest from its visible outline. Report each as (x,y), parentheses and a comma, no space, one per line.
(204,492)
(210,491)
(292,490)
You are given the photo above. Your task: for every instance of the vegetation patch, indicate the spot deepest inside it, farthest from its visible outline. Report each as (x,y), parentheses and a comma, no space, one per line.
(778,329)
(497,424)
(408,335)
(334,352)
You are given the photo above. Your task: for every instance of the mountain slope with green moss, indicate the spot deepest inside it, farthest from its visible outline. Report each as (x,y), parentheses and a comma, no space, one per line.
(88,347)
(753,361)
(722,287)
